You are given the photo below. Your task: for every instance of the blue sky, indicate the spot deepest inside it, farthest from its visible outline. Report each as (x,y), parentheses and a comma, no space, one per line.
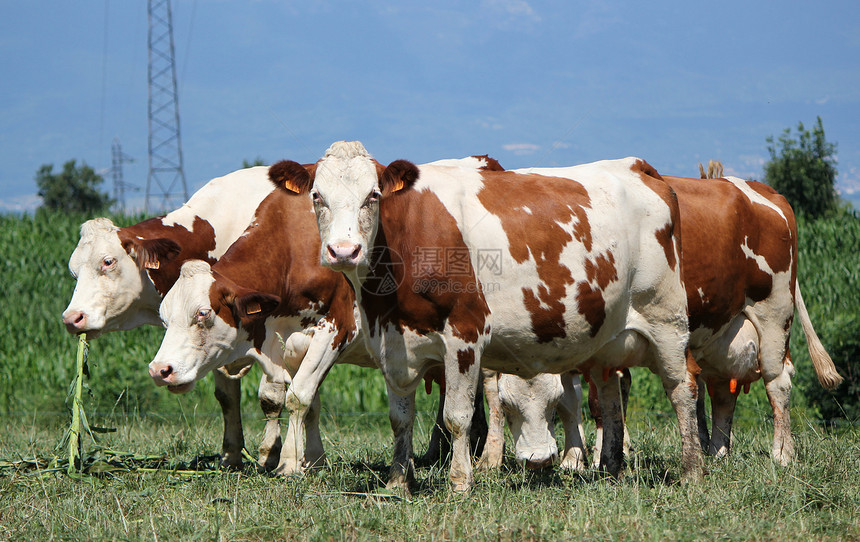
(530,82)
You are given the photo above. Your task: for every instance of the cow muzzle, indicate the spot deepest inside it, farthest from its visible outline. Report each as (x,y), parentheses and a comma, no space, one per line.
(163,374)
(76,322)
(343,255)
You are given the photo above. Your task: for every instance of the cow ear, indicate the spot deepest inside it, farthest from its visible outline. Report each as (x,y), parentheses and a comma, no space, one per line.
(399,175)
(255,306)
(151,253)
(292,177)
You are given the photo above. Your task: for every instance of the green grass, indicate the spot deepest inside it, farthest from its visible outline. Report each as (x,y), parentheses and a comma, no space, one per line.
(744,497)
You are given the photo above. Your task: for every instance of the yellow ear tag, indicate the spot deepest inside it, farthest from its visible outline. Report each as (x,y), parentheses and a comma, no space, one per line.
(254,308)
(400,184)
(288,184)
(152,264)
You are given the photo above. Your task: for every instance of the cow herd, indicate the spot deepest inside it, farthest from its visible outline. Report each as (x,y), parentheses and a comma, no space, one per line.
(522,280)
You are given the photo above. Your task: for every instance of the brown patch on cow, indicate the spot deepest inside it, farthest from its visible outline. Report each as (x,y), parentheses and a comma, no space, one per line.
(138,241)
(538,234)
(591,305)
(279,256)
(718,220)
(601,270)
(465,359)
(426,298)
(666,237)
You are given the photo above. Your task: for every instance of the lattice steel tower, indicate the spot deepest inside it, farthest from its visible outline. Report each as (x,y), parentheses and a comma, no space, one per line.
(165,186)
(119,185)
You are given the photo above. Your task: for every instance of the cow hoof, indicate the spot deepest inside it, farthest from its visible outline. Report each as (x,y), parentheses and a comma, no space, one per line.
(315,464)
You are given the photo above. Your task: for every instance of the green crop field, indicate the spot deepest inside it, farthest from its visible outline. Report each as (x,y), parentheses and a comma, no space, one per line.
(154,476)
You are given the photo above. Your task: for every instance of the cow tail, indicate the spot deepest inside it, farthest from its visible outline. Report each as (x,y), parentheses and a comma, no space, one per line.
(824,367)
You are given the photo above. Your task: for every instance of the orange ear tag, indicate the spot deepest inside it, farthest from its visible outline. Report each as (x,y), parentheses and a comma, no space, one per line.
(152,264)
(254,308)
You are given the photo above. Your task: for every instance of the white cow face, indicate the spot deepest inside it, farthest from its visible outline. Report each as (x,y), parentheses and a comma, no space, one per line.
(202,329)
(529,407)
(346,186)
(113,290)
(109,281)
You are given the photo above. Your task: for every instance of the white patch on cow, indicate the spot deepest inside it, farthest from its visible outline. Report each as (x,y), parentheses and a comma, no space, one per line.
(754,196)
(228,203)
(470,162)
(759,260)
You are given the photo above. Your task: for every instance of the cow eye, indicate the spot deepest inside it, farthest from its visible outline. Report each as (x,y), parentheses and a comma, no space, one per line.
(108,262)
(373,197)
(203,315)
(316,196)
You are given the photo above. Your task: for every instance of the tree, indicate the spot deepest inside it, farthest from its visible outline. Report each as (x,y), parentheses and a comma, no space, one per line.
(75,189)
(803,170)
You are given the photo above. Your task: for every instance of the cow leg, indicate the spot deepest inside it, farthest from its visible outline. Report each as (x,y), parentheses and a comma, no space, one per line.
(723,402)
(494,448)
(479,428)
(272,394)
(611,410)
(315,365)
(314,451)
(778,389)
(626,381)
(597,416)
(401,414)
(680,387)
(570,411)
(440,439)
(701,419)
(461,390)
(228,393)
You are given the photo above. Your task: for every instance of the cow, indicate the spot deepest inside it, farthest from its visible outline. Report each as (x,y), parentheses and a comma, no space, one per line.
(122,274)
(739,255)
(512,271)
(271,303)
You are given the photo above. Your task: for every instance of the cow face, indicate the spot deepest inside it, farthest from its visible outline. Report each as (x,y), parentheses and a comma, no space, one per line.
(112,289)
(202,324)
(529,407)
(346,186)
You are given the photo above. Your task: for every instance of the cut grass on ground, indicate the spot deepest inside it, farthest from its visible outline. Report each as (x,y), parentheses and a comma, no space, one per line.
(744,497)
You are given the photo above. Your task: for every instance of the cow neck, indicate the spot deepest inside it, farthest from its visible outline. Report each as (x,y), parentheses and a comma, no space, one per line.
(399,289)
(279,255)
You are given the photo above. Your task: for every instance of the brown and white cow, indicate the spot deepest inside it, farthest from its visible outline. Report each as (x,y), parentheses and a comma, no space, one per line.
(739,260)
(516,272)
(268,299)
(122,274)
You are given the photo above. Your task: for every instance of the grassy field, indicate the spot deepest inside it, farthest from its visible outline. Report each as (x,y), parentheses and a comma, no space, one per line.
(159,481)
(173,491)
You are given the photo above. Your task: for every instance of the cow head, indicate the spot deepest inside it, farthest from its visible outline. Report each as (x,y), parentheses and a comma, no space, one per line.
(112,290)
(529,407)
(346,186)
(203,313)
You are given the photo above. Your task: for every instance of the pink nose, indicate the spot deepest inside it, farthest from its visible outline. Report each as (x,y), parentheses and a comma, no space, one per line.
(75,321)
(344,252)
(161,373)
